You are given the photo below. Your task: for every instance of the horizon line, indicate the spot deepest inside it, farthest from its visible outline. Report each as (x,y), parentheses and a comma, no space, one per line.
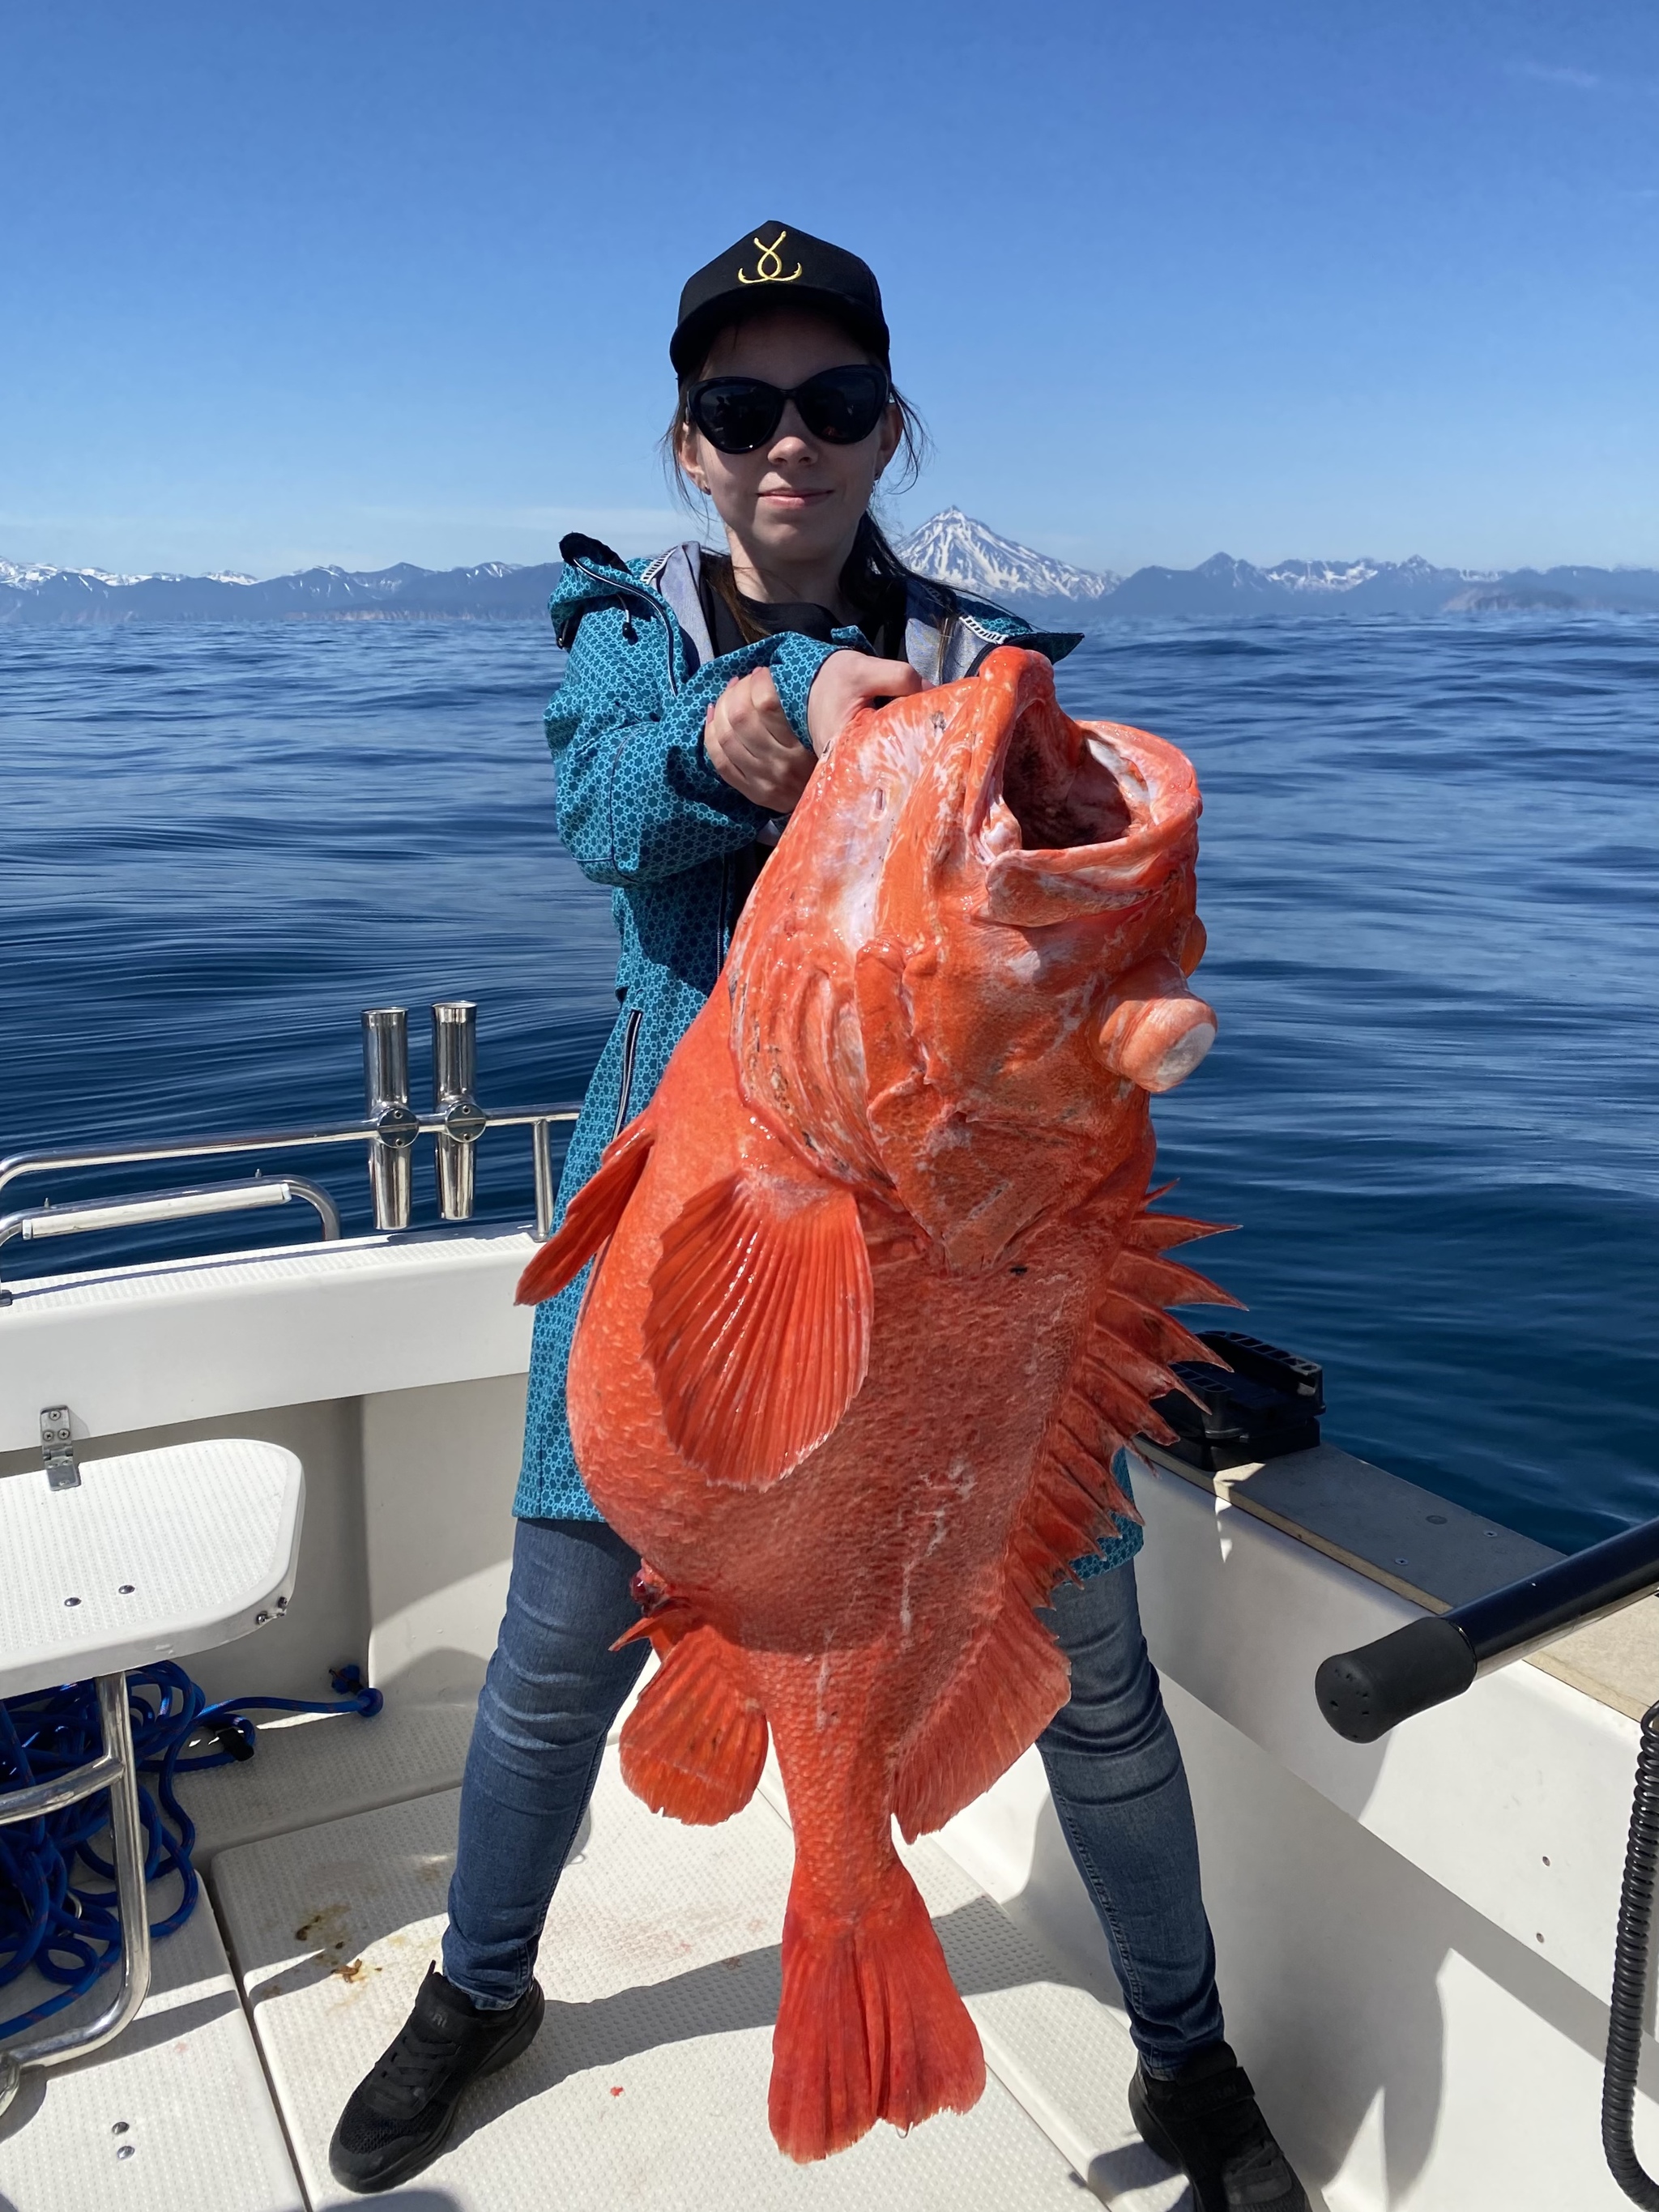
(41,570)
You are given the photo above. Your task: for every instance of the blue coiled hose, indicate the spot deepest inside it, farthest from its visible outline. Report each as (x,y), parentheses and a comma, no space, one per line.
(51,1918)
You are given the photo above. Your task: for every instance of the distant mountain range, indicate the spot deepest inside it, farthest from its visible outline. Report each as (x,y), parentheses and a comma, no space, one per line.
(958,551)
(950,546)
(495,590)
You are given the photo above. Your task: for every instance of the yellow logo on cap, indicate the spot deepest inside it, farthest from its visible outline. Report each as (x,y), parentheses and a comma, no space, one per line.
(775,274)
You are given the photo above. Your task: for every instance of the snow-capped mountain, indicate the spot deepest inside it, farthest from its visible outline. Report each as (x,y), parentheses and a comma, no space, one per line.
(29,575)
(954,549)
(1313,578)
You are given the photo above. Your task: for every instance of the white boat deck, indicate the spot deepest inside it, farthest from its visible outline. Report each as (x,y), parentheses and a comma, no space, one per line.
(1414,1937)
(324,1901)
(175,2115)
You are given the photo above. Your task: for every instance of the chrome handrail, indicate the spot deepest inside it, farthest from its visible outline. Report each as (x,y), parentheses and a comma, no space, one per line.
(85,1215)
(63,1159)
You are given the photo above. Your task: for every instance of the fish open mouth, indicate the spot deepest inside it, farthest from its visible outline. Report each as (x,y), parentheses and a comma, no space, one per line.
(1073,815)
(1053,786)
(1060,802)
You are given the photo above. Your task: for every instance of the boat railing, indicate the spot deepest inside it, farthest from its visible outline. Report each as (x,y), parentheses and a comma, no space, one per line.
(390,1130)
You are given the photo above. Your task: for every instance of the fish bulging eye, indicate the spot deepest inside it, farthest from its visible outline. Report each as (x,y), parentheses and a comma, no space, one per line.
(1156,1030)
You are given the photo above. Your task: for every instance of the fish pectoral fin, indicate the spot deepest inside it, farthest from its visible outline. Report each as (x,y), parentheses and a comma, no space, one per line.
(591,1218)
(758,1327)
(694,1744)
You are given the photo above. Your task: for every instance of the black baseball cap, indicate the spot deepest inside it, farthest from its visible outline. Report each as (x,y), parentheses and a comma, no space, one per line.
(774,265)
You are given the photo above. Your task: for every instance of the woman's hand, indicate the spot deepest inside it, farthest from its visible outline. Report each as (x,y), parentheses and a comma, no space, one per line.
(751,746)
(846,682)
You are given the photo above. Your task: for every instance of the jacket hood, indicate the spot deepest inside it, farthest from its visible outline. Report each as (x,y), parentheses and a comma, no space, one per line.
(582,557)
(947,632)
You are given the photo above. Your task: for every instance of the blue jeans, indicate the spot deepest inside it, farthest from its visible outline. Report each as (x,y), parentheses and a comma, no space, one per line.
(555,1687)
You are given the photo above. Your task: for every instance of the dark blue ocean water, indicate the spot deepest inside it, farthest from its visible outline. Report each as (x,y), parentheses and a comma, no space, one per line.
(1429,877)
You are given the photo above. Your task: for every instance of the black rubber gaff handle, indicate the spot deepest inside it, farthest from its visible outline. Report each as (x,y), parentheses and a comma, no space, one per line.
(1365,1694)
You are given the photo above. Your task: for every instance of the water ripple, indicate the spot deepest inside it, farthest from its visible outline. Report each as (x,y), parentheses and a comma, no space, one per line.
(1428,873)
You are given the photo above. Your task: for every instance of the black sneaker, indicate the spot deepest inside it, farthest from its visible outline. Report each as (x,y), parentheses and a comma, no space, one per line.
(1207,2124)
(400,2116)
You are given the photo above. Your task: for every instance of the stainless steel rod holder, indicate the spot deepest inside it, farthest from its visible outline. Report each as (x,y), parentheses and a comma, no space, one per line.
(390,1128)
(454,1072)
(386,1097)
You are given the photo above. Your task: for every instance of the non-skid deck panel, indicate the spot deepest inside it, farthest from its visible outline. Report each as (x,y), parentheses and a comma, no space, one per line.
(1064,2057)
(646,2086)
(312,1767)
(186,2085)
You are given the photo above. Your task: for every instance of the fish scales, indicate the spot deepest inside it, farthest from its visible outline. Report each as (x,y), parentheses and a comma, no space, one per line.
(877,1295)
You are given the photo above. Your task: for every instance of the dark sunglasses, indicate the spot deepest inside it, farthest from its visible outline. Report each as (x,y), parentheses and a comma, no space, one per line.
(840,405)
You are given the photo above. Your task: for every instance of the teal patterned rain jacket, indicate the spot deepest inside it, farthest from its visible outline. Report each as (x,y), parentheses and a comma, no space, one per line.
(640,807)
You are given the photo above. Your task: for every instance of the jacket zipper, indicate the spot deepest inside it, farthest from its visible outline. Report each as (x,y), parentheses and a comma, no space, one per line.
(630,1047)
(648,600)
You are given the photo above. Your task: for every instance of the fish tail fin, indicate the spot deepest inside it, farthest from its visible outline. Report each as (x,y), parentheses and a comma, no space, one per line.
(870,2026)
(589,1219)
(694,1744)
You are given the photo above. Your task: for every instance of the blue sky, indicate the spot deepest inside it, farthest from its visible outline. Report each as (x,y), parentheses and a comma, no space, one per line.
(373,282)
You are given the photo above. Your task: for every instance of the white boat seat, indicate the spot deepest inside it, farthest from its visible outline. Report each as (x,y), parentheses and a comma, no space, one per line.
(155,1555)
(140,1556)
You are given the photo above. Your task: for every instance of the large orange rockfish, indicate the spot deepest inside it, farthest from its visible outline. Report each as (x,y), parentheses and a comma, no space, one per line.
(878,1298)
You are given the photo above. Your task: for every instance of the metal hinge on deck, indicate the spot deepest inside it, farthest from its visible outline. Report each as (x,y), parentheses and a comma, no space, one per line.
(58,1449)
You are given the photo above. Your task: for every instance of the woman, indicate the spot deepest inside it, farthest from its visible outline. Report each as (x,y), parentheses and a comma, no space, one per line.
(699,693)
